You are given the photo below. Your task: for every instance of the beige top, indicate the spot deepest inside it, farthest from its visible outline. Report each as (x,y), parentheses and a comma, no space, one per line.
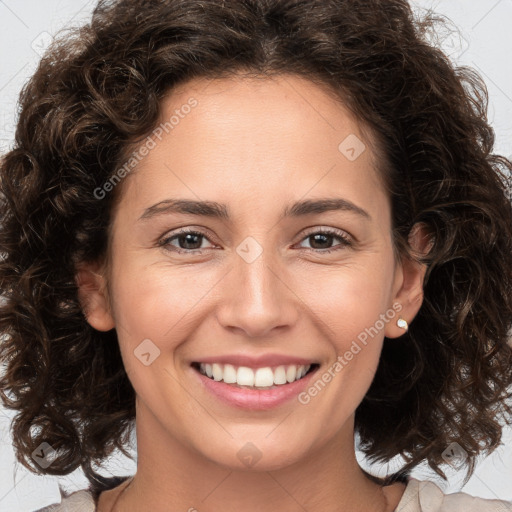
(419,496)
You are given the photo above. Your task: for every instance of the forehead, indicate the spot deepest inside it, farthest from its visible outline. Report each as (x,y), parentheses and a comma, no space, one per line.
(281,104)
(260,138)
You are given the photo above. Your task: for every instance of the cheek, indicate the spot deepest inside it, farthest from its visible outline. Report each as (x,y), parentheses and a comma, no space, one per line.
(159,302)
(354,306)
(349,315)
(350,301)
(155,314)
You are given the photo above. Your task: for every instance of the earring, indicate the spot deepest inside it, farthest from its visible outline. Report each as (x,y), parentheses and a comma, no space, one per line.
(402,324)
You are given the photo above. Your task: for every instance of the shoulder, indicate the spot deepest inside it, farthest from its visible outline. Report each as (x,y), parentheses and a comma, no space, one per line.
(425,496)
(84,500)
(78,501)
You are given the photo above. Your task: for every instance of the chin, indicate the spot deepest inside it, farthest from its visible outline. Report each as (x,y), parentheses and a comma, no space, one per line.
(260,454)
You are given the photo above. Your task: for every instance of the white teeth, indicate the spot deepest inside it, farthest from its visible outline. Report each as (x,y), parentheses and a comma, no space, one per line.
(291,373)
(217,371)
(229,374)
(245,376)
(265,377)
(280,375)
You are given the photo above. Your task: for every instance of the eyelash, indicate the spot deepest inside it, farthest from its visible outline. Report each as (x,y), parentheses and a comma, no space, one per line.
(345,241)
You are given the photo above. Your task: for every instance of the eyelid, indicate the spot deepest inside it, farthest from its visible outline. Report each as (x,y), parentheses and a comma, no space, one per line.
(175,233)
(329,230)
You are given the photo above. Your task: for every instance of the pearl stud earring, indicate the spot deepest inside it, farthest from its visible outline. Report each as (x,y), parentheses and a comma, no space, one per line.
(402,324)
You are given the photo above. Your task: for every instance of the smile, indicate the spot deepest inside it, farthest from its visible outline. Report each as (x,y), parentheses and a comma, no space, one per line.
(255,389)
(261,378)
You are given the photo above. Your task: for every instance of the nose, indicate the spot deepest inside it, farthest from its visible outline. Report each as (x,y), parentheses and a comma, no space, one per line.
(258,295)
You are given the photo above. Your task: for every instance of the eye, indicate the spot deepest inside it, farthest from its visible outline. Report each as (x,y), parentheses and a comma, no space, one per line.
(325,237)
(187,239)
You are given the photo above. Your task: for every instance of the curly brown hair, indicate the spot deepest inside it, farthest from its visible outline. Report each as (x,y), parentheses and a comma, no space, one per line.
(97,92)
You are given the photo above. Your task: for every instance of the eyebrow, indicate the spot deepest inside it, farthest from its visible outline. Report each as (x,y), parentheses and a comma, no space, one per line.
(221,211)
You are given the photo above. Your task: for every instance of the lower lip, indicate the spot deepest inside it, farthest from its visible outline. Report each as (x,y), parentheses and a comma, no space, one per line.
(254,399)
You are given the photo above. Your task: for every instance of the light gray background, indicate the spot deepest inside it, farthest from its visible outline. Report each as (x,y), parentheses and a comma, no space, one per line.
(484,42)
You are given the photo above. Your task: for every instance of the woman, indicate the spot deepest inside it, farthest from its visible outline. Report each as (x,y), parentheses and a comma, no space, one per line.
(172,161)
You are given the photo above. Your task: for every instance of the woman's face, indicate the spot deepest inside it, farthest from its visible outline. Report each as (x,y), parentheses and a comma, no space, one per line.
(254,287)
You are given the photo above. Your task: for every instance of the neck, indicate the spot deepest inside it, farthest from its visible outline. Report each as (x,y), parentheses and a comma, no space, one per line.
(172,476)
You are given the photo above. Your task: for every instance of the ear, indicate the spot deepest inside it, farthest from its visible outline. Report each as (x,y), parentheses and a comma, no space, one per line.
(92,293)
(409,281)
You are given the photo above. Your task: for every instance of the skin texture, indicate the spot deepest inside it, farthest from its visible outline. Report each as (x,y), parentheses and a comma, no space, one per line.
(255,145)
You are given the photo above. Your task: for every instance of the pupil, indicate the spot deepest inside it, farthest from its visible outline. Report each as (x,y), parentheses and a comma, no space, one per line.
(187,241)
(320,235)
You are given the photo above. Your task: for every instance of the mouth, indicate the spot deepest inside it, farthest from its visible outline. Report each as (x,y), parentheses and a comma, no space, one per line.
(261,378)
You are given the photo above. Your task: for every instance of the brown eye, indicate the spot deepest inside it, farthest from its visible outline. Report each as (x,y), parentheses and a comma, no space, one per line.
(322,238)
(188,241)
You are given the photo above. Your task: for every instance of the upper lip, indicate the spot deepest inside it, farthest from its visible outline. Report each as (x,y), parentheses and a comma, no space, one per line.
(256,361)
